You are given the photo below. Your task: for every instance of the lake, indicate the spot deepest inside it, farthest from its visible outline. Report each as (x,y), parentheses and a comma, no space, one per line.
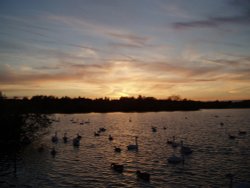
(89,165)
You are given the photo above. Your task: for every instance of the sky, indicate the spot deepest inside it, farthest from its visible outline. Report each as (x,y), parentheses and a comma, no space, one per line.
(197,49)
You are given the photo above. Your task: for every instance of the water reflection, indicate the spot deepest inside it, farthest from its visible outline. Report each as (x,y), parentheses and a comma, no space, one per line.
(89,165)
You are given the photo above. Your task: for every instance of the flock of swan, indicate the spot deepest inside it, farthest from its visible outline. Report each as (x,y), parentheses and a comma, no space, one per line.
(131,147)
(173,159)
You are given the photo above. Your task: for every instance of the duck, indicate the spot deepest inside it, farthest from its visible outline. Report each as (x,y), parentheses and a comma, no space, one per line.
(65,138)
(117,149)
(175,160)
(54,138)
(185,150)
(117,167)
(133,146)
(143,175)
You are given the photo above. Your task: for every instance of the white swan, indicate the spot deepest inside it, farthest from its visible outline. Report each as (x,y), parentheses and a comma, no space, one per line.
(133,146)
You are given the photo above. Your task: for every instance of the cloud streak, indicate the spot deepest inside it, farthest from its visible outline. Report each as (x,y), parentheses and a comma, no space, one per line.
(243,17)
(213,22)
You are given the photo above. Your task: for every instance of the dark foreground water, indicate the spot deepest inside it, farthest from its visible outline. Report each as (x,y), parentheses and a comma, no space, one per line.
(214,153)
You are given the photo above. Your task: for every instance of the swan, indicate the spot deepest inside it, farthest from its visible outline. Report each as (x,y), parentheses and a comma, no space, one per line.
(236,184)
(110,138)
(175,160)
(102,129)
(242,132)
(76,142)
(143,175)
(65,138)
(133,146)
(231,136)
(117,167)
(54,138)
(172,142)
(117,149)
(53,152)
(185,150)
(79,137)
(87,122)
(96,134)
(41,148)
(154,129)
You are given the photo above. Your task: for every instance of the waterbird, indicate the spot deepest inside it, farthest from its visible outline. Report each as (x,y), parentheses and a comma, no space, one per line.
(110,138)
(65,138)
(175,159)
(133,146)
(172,142)
(117,149)
(41,148)
(54,138)
(53,152)
(233,184)
(185,150)
(143,175)
(117,167)
(87,122)
(102,129)
(242,132)
(231,136)
(154,129)
(96,134)
(76,142)
(79,136)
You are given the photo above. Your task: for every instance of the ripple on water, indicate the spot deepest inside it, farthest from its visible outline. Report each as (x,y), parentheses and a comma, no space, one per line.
(214,154)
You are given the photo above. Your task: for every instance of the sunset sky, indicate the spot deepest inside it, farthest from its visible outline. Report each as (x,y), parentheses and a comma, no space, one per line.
(198,49)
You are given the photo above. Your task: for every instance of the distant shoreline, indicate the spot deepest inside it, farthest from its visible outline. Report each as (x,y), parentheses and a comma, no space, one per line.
(50,105)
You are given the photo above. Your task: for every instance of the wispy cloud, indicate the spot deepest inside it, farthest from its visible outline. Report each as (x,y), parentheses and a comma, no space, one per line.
(243,17)
(213,22)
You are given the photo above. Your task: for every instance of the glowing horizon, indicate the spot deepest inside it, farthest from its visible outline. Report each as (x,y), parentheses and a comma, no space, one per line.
(198,50)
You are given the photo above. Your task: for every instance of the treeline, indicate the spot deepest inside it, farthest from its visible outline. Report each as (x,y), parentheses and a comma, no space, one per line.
(52,104)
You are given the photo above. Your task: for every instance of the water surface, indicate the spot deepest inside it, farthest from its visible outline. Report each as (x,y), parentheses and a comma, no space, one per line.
(214,154)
